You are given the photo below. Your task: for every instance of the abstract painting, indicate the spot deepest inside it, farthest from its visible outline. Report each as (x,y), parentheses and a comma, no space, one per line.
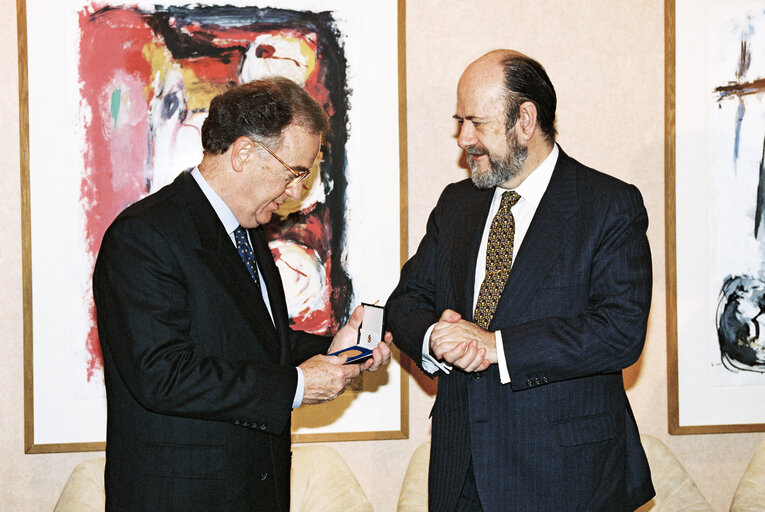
(737,147)
(716,285)
(130,84)
(143,108)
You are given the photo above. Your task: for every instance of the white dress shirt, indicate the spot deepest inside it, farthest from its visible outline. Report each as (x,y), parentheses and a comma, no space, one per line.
(531,191)
(230,224)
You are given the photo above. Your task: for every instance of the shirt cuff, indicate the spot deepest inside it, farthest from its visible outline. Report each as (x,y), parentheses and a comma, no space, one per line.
(300,390)
(429,363)
(504,375)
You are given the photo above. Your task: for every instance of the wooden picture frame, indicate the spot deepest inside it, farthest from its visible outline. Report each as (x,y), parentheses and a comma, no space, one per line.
(63,414)
(709,390)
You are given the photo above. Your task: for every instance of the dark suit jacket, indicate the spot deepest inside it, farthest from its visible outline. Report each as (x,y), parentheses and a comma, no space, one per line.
(561,435)
(199,381)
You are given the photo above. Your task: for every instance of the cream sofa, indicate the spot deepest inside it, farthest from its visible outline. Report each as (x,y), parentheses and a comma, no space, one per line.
(321,481)
(675,490)
(750,494)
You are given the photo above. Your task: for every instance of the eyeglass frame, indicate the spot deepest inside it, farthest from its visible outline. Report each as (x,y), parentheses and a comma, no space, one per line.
(297,176)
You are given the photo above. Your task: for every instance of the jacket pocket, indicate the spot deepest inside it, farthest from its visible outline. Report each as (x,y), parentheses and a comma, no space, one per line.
(585,430)
(187,461)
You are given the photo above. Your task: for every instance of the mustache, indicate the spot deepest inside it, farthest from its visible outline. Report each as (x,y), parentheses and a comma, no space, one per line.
(475,150)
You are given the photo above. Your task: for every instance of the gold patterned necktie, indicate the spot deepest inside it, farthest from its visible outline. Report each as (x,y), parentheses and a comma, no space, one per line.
(499,259)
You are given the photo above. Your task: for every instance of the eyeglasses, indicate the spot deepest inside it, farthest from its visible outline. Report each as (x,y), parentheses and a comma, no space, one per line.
(297,175)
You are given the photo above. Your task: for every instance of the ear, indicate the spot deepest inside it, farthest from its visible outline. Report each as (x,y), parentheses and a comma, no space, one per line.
(527,120)
(241,150)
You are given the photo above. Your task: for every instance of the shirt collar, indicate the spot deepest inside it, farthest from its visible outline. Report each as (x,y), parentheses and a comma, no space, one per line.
(224,213)
(533,187)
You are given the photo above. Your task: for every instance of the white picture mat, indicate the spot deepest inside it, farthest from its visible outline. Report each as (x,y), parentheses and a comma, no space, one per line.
(708,394)
(66,408)
(373,214)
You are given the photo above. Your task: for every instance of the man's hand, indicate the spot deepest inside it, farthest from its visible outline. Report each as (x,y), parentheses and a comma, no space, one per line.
(326,377)
(380,355)
(348,335)
(462,343)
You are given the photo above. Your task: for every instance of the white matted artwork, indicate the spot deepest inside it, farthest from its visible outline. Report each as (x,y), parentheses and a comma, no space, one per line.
(716,216)
(126,86)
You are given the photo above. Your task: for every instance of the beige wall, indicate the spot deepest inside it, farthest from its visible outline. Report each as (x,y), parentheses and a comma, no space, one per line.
(606,60)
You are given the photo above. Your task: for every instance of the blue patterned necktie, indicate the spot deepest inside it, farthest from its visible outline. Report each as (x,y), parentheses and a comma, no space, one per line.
(499,259)
(245,252)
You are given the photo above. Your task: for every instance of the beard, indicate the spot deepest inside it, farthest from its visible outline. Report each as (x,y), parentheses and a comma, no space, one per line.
(500,169)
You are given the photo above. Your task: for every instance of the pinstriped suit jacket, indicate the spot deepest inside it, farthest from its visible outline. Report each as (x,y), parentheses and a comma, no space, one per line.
(199,379)
(561,436)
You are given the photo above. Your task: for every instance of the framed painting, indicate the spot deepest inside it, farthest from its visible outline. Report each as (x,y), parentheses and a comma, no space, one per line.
(715,208)
(112,98)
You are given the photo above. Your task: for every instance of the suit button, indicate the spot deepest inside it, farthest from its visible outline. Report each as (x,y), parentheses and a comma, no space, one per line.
(544,379)
(477,375)
(263,476)
(245,424)
(537,381)
(236,422)
(262,427)
(529,383)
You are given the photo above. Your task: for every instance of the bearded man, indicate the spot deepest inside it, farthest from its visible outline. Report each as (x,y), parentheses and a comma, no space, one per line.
(527,296)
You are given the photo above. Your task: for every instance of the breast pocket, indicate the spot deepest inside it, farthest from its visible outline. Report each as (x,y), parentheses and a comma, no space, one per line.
(565,301)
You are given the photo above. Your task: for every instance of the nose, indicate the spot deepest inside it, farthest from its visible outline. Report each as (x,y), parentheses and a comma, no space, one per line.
(294,191)
(466,136)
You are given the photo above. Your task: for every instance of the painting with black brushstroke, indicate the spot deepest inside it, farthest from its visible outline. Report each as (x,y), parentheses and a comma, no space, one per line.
(133,81)
(736,217)
(172,61)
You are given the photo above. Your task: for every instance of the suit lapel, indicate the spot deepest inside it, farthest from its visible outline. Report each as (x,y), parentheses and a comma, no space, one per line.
(220,255)
(545,239)
(476,219)
(273,283)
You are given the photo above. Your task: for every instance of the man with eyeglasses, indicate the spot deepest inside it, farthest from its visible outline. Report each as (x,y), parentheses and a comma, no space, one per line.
(202,370)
